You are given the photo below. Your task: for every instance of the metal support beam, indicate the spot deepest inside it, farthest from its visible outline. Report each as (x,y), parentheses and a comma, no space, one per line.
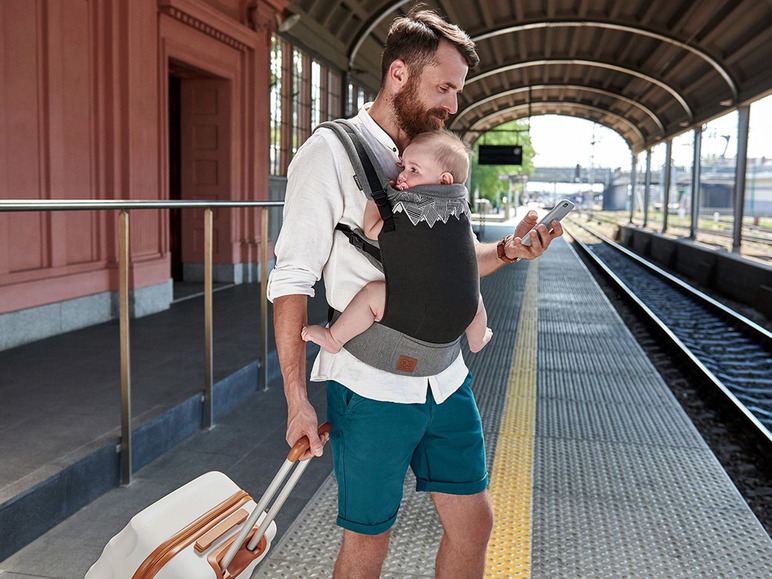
(666,184)
(208,345)
(647,189)
(743,121)
(696,178)
(123,316)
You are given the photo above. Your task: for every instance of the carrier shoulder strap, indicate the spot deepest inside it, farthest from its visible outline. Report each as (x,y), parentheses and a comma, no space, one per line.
(368,175)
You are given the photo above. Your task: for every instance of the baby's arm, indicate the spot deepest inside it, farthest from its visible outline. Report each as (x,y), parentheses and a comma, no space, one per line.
(372,220)
(478,333)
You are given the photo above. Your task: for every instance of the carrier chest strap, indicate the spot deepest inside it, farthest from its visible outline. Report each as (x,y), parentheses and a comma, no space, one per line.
(358,242)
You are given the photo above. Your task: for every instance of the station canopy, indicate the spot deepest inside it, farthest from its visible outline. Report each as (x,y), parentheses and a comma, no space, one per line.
(648,69)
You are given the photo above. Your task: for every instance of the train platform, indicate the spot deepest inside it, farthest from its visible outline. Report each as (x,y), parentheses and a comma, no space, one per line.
(595,470)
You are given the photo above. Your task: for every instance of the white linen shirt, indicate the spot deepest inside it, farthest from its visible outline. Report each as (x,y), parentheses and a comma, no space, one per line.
(321,192)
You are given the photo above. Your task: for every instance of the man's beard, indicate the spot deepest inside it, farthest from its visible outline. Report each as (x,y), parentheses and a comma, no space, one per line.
(412,117)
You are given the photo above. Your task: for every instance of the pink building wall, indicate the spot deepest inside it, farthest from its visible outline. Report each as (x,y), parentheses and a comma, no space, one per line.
(84,114)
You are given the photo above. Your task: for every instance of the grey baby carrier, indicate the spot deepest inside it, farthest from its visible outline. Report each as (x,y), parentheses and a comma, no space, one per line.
(426,252)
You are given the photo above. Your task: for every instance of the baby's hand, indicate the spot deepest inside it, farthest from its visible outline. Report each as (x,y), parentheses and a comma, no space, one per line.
(398,186)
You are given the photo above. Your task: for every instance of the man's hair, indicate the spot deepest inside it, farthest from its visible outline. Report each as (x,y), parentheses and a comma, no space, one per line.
(451,153)
(414,38)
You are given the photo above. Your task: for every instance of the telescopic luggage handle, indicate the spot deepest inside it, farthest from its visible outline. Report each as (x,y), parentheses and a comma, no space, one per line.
(292,458)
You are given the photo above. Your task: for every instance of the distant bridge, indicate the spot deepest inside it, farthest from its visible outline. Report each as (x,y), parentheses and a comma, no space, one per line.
(569,175)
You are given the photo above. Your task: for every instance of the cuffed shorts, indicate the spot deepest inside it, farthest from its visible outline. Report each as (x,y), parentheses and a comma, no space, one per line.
(374,442)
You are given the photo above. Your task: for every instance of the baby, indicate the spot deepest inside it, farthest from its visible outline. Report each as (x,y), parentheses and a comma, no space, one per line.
(435,157)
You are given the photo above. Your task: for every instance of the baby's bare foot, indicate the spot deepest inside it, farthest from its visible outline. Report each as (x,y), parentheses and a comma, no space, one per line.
(477,345)
(322,336)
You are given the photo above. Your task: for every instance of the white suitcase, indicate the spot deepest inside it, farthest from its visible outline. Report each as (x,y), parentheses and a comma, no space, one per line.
(209,528)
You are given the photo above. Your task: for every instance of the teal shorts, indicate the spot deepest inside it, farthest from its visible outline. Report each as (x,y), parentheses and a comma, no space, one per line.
(373,443)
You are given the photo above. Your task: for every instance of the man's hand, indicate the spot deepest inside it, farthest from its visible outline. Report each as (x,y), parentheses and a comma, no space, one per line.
(540,238)
(302,421)
(487,256)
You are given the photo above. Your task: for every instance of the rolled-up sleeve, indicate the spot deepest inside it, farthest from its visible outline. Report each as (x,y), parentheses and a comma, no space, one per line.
(313,206)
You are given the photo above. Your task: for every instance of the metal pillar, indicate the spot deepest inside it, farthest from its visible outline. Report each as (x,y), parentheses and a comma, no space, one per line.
(696,177)
(123,316)
(208,345)
(666,184)
(743,121)
(347,95)
(647,189)
(633,184)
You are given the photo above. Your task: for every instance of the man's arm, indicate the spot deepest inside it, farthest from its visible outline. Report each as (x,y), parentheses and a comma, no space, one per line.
(302,249)
(290,314)
(487,256)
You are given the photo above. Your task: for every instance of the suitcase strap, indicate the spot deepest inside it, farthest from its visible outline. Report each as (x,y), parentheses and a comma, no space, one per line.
(293,458)
(206,540)
(177,542)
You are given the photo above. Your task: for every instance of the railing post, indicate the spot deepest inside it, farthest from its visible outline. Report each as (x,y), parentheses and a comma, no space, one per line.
(123,306)
(208,348)
(263,357)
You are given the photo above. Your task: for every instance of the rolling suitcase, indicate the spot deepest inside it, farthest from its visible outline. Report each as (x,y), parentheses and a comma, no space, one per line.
(203,529)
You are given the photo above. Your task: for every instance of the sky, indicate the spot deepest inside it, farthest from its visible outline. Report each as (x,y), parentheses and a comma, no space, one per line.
(566,141)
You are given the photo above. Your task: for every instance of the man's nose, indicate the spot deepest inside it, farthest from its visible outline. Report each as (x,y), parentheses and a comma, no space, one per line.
(450,103)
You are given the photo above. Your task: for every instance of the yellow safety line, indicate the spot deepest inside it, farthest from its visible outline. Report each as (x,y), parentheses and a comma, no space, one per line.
(509,550)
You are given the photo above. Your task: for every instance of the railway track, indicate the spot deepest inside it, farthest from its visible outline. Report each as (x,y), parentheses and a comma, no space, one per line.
(732,353)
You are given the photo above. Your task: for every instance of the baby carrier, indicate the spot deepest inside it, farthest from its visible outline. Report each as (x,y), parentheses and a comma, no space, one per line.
(426,252)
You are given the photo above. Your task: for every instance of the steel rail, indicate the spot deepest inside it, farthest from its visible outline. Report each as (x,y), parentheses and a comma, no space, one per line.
(760,332)
(740,409)
(124,207)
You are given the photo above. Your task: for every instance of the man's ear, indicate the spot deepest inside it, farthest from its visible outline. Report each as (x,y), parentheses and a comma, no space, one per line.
(446,178)
(398,72)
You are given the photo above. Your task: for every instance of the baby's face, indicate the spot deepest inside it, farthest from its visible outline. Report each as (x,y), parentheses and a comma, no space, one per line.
(419,167)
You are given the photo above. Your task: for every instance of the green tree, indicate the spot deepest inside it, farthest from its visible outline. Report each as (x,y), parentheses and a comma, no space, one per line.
(485,178)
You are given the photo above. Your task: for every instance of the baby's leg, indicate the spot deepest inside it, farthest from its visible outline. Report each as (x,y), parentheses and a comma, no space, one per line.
(366,308)
(478,333)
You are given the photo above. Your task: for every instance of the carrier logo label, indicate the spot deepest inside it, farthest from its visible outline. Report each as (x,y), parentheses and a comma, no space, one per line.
(405,364)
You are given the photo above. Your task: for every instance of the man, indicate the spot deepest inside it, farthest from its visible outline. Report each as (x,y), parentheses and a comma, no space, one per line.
(383,422)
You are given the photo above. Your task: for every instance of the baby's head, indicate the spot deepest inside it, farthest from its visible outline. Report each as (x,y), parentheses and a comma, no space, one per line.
(434,157)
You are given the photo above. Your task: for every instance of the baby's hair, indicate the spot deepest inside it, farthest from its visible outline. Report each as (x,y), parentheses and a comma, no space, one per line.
(451,153)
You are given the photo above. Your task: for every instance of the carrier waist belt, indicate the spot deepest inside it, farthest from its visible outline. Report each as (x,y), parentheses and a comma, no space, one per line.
(387,349)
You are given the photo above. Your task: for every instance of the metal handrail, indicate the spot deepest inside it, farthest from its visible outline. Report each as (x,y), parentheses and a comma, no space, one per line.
(124,206)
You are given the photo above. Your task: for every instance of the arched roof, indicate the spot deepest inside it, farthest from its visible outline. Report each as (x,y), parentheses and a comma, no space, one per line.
(648,69)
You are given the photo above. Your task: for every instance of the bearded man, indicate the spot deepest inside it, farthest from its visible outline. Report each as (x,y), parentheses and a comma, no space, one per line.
(383,423)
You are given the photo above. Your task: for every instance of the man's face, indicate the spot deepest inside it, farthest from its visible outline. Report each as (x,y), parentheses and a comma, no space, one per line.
(427,99)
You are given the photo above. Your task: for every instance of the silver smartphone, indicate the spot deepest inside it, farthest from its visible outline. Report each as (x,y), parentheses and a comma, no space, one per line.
(561,209)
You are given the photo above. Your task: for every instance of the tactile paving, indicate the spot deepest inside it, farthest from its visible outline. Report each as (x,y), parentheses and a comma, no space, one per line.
(623,484)
(509,548)
(636,474)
